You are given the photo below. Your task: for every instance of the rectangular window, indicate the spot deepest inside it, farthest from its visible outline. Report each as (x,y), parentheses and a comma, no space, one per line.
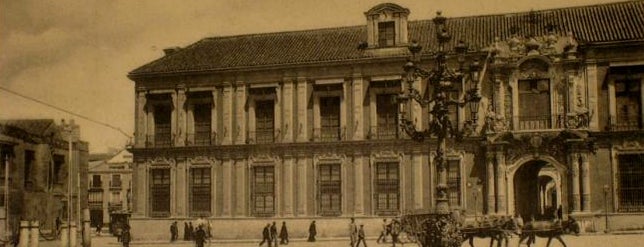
(116,181)
(629,105)
(454,182)
(386,34)
(387,114)
(200,191)
(387,191)
(162,122)
(264,121)
(263,191)
(58,173)
(202,119)
(631,184)
(534,104)
(95,199)
(330,118)
(330,189)
(96,181)
(160,192)
(30,159)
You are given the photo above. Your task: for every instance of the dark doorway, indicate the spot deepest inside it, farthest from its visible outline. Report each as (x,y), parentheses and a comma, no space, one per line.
(535,194)
(96,217)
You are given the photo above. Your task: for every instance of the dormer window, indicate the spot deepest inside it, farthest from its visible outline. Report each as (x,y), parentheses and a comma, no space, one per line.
(386,34)
(386,25)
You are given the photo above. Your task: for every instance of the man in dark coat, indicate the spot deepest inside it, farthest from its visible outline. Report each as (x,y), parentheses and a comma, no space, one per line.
(361,237)
(191,231)
(200,236)
(274,233)
(283,234)
(266,235)
(174,232)
(125,236)
(312,232)
(186,231)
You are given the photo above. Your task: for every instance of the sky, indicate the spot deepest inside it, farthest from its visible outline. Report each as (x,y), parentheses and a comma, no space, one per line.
(76,54)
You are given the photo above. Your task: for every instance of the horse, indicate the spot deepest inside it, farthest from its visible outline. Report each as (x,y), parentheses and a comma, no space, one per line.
(548,229)
(499,229)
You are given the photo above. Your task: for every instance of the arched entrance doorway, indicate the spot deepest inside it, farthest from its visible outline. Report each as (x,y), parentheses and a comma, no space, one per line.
(537,190)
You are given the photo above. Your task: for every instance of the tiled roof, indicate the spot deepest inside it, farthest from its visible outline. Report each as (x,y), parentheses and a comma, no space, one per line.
(603,23)
(35,127)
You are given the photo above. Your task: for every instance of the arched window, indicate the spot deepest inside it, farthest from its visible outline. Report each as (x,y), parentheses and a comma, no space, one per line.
(534,96)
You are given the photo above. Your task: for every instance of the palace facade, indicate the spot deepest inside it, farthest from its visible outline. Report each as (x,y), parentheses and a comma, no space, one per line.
(301,126)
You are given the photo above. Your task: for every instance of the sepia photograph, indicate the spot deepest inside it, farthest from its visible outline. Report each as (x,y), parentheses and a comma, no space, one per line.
(419,123)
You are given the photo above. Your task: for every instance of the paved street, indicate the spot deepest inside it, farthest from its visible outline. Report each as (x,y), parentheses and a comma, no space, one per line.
(573,241)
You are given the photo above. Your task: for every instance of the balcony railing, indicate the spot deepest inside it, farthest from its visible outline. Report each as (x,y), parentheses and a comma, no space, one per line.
(625,125)
(541,122)
(383,132)
(328,134)
(115,184)
(199,139)
(261,136)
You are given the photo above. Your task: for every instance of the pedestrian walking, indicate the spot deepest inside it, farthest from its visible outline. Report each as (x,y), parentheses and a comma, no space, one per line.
(200,236)
(361,236)
(186,231)
(383,232)
(174,232)
(266,235)
(99,227)
(312,232)
(191,231)
(125,236)
(353,232)
(274,233)
(395,232)
(58,224)
(283,234)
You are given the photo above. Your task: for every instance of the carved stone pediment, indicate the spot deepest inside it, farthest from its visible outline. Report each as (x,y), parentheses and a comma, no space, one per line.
(161,161)
(553,45)
(202,160)
(386,156)
(556,144)
(329,158)
(630,145)
(264,159)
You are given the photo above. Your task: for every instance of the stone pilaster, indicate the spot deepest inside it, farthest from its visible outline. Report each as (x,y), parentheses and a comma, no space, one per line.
(345,111)
(149,138)
(288,187)
(181,189)
(179,132)
(489,164)
(141,119)
(227,188)
(585,182)
(302,182)
(359,185)
(279,113)
(215,116)
(240,118)
(173,190)
(574,163)
(303,95)
(500,183)
(228,117)
(240,188)
(140,182)
(593,95)
(288,110)
(359,94)
(417,162)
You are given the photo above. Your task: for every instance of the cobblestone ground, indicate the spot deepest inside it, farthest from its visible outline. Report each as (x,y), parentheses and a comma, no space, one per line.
(573,241)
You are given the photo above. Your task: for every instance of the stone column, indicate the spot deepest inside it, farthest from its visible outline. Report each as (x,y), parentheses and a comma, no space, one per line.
(139,182)
(288,110)
(181,189)
(214,118)
(64,235)
(240,192)
(500,183)
(179,132)
(345,109)
(141,118)
(490,183)
(303,95)
(574,162)
(593,96)
(34,234)
(417,160)
(288,186)
(72,234)
(279,114)
(227,188)
(359,94)
(585,182)
(240,118)
(149,137)
(227,113)
(359,185)
(301,186)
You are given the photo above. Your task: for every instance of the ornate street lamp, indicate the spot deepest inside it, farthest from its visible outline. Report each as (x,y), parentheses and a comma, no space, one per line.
(440,228)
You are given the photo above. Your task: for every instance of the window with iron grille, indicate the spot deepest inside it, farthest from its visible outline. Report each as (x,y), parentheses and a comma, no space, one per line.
(454,182)
(330,189)
(116,181)
(96,181)
(202,120)
(330,118)
(387,113)
(200,191)
(264,121)
(263,191)
(387,191)
(631,184)
(162,129)
(629,105)
(160,192)
(534,104)
(386,34)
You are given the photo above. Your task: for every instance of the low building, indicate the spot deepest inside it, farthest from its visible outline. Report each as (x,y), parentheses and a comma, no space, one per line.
(110,180)
(36,154)
(301,126)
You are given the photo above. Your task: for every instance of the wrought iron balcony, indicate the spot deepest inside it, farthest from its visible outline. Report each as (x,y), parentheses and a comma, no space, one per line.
(383,132)
(116,184)
(327,134)
(261,136)
(624,124)
(542,122)
(199,139)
